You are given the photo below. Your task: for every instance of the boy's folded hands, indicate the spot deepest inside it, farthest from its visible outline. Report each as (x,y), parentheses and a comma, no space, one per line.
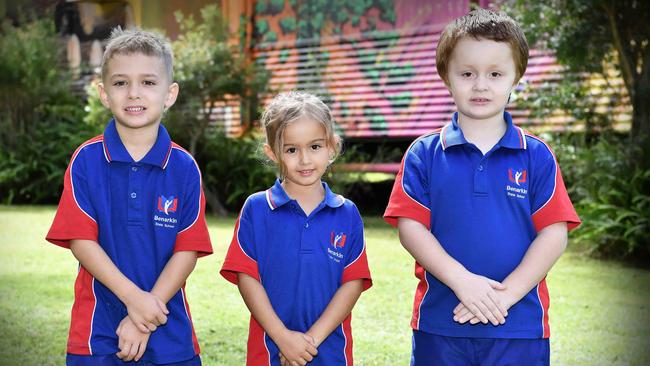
(146,310)
(132,342)
(478,295)
(296,348)
(463,315)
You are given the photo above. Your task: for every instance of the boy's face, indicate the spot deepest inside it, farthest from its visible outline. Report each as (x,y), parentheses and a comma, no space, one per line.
(137,90)
(481,76)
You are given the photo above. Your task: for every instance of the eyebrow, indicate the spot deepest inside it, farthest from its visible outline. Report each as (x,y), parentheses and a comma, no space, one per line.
(310,142)
(141,75)
(493,66)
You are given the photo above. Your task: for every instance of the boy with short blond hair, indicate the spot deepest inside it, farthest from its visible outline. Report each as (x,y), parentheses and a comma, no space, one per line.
(133,213)
(481,205)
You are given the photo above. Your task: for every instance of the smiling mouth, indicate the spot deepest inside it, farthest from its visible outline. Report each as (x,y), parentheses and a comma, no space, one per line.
(134,109)
(306,172)
(479,100)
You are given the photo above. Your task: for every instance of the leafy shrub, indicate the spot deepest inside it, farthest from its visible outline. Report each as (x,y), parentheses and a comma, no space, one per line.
(369,190)
(40,119)
(211,72)
(32,171)
(233,167)
(611,189)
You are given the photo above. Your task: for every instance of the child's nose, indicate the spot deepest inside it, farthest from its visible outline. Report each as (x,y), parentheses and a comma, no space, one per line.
(480,84)
(133,91)
(304,157)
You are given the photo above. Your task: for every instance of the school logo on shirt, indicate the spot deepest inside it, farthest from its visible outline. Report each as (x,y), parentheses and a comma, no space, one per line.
(337,241)
(167,205)
(519,178)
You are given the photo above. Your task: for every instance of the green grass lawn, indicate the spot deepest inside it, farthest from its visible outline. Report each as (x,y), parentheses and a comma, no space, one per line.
(600,311)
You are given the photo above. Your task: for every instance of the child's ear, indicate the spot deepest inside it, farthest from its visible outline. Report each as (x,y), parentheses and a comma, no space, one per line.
(172,94)
(103,97)
(269,153)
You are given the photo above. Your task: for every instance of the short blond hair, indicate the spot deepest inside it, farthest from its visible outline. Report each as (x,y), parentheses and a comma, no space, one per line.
(288,107)
(130,41)
(482,24)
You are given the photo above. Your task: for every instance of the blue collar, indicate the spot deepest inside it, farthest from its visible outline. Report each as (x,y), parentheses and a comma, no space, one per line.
(452,135)
(115,151)
(276,196)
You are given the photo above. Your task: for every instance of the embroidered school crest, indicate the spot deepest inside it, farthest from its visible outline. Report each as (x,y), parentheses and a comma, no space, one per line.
(337,240)
(167,205)
(517,177)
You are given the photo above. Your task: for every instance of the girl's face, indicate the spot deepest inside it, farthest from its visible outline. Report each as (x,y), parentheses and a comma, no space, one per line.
(305,154)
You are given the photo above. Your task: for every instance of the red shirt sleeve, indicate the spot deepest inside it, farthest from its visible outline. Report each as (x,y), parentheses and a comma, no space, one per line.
(410,197)
(75,217)
(193,235)
(357,264)
(241,254)
(550,200)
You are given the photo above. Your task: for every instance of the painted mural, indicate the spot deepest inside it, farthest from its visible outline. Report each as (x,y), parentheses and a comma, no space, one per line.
(373,62)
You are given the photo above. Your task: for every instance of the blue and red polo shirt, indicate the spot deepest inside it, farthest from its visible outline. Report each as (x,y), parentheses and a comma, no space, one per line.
(485,210)
(140,213)
(301,261)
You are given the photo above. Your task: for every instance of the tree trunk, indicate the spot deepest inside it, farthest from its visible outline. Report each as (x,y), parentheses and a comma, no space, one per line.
(216,208)
(640,132)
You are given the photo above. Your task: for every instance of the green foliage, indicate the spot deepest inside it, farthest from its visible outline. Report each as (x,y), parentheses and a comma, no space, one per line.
(362,185)
(233,168)
(388,13)
(31,74)
(612,192)
(276,6)
(32,172)
(261,27)
(270,7)
(572,96)
(608,178)
(96,114)
(597,36)
(211,73)
(271,37)
(314,14)
(261,6)
(577,30)
(288,25)
(40,120)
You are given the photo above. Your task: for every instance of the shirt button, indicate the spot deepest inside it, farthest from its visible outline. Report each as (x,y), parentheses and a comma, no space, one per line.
(306,225)
(134,168)
(133,195)
(480,168)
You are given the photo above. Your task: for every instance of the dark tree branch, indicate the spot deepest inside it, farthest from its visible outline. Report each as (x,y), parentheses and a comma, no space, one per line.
(627,69)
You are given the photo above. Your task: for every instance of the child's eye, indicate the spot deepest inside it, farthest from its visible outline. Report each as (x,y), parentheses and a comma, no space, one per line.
(149,82)
(119,83)
(315,146)
(291,150)
(466,74)
(495,74)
